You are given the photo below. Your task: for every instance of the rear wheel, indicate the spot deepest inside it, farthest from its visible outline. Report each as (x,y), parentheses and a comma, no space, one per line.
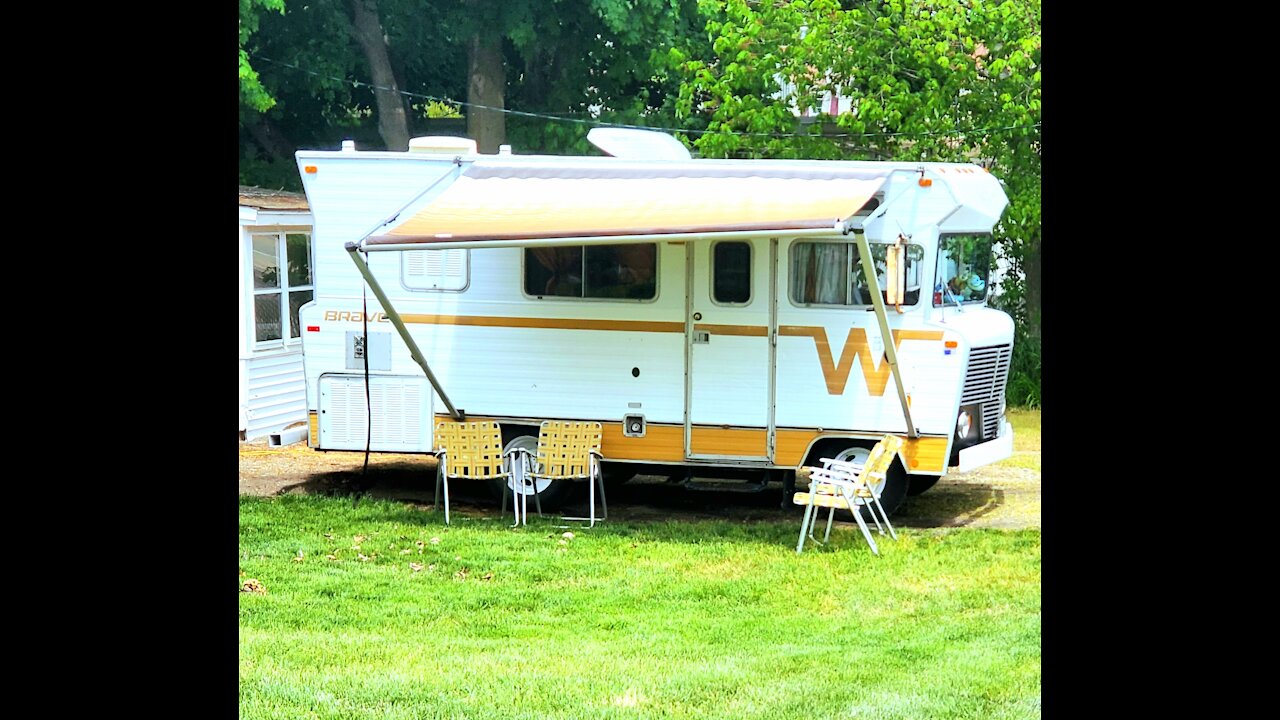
(551,493)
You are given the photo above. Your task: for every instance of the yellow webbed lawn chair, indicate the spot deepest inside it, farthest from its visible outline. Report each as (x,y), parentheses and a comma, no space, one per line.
(468,451)
(849,486)
(566,451)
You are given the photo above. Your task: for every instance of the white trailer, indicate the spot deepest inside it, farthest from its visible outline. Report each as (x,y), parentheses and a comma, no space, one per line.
(718,317)
(274,278)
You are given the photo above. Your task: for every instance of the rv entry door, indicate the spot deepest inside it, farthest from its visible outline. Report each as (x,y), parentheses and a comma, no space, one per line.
(729,325)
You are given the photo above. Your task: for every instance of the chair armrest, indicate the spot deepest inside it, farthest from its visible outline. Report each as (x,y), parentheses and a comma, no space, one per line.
(836,478)
(843,465)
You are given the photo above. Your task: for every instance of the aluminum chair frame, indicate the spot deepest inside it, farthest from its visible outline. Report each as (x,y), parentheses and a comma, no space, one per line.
(567,450)
(840,484)
(476,450)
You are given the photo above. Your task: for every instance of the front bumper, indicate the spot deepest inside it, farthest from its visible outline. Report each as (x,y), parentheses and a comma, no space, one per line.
(988,452)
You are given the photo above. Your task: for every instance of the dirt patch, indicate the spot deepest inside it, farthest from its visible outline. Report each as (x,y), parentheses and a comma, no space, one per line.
(1005,495)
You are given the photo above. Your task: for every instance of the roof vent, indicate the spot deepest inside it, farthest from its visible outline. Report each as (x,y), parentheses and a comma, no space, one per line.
(443,145)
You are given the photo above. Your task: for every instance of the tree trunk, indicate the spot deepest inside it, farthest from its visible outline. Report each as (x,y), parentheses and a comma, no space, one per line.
(269,137)
(486,85)
(393,122)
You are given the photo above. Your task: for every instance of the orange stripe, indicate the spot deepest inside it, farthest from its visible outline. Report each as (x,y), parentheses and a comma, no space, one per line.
(661,443)
(925,454)
(790,446)
(665,443)
(745,330)
(548,323)
(728,441)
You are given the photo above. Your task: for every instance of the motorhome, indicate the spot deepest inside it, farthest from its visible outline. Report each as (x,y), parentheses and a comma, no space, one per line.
(733,319)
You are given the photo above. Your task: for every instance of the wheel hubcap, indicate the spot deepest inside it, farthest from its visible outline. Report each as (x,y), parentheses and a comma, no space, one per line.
(527,487)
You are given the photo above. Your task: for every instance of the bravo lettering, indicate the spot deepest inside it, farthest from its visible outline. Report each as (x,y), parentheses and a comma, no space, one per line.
(356,316)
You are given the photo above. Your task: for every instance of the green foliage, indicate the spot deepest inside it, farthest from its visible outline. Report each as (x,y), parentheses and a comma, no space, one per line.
(436,109)
(252,94)
(1024,371)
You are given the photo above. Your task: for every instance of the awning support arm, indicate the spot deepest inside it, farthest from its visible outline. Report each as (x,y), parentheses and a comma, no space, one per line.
(353,249)
(890,348)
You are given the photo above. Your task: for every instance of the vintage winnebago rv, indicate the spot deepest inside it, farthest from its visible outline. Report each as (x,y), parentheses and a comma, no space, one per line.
(721,318)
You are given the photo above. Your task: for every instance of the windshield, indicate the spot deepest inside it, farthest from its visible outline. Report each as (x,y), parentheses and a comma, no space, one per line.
(964,269)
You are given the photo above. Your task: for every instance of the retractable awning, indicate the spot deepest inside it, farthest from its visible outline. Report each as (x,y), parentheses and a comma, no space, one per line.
(504,201)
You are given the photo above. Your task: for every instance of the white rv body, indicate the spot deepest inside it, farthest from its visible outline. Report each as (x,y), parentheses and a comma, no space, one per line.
(754,384)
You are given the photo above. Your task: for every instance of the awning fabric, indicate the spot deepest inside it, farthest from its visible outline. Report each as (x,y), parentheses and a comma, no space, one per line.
(494,200)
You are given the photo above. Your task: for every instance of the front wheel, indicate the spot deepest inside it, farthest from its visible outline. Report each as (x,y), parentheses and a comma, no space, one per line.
(895,481)
(551,493)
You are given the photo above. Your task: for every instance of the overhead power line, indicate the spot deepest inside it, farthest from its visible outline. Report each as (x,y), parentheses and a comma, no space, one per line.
(601,123)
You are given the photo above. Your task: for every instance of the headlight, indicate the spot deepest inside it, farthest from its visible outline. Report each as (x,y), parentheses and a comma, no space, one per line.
(963,424)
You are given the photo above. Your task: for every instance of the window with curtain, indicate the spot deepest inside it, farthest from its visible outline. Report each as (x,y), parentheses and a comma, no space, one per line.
(622,272)
(830,273)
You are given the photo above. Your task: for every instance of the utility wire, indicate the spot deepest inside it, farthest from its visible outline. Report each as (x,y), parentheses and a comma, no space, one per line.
(600,123)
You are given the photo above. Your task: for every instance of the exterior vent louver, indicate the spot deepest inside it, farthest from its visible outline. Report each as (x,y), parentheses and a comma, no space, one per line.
(984,382)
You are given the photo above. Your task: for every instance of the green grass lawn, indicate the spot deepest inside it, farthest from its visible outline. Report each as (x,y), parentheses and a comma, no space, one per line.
(707,619)
(1026,438)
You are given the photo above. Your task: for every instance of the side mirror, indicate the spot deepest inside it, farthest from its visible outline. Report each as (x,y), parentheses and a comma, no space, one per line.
(895,273)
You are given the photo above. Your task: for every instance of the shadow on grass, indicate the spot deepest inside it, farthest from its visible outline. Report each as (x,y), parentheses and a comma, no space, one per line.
(648,498)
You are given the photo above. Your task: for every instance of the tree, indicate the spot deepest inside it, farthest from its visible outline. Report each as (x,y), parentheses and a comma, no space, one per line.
(252,93)
(941,80)
(317,71)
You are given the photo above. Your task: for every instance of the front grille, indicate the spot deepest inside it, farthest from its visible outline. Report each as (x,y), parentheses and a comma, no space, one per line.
(984,383)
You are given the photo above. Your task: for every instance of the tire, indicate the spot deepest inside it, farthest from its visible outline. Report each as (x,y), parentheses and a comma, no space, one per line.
(551,493)
(917,484)
(895,481)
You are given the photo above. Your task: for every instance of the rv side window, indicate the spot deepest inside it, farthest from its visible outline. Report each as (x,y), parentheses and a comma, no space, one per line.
(624,272)
(964,269)
(282,284)
(731,273)
(435,269)
(830,273)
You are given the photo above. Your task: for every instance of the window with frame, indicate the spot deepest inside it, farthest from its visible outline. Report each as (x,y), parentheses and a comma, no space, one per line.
(621,272)
(830,273)
(731,272)
(964,269)
(282,283)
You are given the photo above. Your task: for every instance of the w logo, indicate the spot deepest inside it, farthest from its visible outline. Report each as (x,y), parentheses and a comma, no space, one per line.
(836,373)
